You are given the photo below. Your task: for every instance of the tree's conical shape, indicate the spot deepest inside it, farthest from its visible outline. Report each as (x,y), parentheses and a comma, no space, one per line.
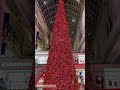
(60,70)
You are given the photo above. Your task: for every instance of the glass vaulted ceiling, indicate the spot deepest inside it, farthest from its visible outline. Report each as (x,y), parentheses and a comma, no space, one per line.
(73,9)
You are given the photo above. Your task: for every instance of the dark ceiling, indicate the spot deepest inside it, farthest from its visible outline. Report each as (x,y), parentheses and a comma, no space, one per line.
(93,10)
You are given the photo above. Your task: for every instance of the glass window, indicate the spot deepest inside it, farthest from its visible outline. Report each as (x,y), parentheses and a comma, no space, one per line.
(37,34)
(110,83)
(35,21)
(36,46)
(115,83)
(39,27)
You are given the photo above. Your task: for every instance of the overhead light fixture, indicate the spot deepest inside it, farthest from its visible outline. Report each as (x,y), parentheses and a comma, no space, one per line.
(73,20)
(78,1)
(45,2)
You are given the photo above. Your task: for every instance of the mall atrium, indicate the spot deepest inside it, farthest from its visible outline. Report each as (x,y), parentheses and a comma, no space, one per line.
(45,12)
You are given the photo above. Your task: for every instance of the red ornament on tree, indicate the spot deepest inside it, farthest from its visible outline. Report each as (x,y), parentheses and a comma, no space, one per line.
(60,69)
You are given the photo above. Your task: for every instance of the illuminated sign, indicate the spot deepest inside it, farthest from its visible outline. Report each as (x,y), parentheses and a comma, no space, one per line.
(41,59)
(81,59)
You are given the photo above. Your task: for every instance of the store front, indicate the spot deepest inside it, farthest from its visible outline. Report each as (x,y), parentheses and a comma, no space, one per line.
(80,72)
(41,60)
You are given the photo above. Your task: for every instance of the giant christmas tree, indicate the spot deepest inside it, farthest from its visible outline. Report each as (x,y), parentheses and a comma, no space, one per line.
(60,70)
